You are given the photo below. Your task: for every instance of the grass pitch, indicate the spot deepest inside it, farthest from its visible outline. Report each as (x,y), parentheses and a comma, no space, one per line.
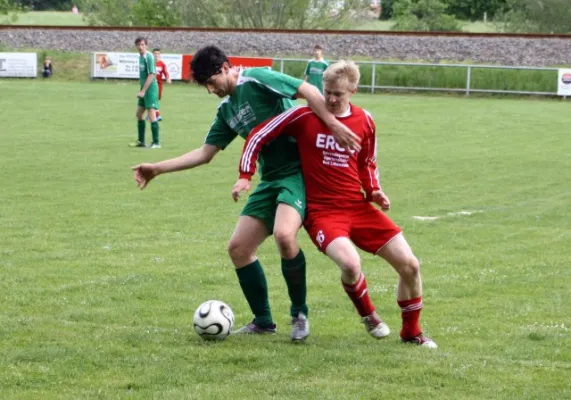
(99,281)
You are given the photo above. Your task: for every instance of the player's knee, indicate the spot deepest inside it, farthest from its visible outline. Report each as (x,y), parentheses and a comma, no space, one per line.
(239,253)
(409,268)
(286,239)
(351,266)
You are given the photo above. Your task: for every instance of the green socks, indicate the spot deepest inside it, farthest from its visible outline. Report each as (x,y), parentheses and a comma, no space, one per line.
(253,282)
(294,273)
(155,131)
(141,128)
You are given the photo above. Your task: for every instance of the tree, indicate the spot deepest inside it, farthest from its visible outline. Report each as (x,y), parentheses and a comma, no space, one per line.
(536,16)
(284,14)
(423,15)
(474,9)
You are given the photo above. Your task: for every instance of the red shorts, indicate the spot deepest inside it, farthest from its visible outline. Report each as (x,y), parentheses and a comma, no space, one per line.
(160,90)
(367,226)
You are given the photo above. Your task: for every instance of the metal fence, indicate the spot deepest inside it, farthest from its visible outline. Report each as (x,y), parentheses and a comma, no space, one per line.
(467,89)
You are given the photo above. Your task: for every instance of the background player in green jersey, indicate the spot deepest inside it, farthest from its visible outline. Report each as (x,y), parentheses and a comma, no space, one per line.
(277,206)
(148,96)
(315,68)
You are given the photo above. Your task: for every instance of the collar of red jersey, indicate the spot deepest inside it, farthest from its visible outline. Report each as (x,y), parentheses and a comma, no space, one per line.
(346,113)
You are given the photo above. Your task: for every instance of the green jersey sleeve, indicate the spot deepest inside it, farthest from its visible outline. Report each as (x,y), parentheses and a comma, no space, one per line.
(220,134)
(151,67)
(276,82)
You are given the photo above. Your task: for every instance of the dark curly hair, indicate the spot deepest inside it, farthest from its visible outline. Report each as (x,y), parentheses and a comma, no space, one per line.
(206,62)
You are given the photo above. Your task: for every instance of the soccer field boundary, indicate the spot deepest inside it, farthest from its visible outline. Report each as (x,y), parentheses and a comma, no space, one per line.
(467,213)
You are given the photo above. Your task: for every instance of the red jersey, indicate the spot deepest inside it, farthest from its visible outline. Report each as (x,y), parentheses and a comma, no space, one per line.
(162,72)
(333,176)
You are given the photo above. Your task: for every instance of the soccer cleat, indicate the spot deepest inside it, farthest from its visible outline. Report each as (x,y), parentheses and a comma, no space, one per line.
(421,341)
(159,118)
(253,329)
(375,326)
(299,328)
(137,144)
(155,146)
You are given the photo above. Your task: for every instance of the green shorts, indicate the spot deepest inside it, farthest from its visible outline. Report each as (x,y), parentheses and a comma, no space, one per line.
(263,202)
(151,99)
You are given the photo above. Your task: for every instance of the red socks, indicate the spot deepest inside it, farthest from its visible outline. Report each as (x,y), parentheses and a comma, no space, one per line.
(410,311)
(359,295)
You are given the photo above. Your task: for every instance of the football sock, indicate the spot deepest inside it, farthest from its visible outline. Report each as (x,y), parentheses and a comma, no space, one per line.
(410,311)
(359,295)
(141,129)
(155,131)
(294,274)
(253,283)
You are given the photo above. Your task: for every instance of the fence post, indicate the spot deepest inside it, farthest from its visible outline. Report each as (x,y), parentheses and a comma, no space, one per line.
(373,79)
(468,77)
(282,65)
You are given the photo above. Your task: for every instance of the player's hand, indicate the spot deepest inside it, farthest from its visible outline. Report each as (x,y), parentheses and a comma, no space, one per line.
(169,81)
(345,137)
(144,173)
(141,94)
(242,185)
(381,199)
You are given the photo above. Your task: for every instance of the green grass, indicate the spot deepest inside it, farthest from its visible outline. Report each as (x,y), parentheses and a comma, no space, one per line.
(473,27)
(49,18)
(99,281)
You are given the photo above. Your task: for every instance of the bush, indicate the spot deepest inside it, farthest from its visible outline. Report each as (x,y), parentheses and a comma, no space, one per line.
(423,15)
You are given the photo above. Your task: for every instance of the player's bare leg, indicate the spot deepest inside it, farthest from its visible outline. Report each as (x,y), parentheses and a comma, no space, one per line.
(398,253)
(344,254)
(286,225)
(248,235)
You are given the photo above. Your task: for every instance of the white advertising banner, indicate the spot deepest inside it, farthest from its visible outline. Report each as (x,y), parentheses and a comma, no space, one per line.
(564,82)
(18,65)
(126,65)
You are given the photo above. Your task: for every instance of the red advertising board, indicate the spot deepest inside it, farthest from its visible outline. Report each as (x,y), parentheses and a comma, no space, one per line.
(245,62)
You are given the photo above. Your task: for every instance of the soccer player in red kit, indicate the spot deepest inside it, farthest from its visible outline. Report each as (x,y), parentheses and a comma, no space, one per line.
(338,212)
(162,73)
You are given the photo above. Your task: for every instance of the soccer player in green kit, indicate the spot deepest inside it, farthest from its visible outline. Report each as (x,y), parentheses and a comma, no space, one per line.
(148,96)
(277,206)
(315,68)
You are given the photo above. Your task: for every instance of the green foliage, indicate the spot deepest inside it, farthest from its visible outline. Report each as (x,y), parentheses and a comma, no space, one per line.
(536,16)
(386,10)
(294,14)
(423,15)
(155,13)
(9,10)
(45,5)
(474,9)
(107,12)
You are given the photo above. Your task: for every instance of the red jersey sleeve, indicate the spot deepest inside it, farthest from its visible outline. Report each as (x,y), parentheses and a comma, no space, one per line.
(165,71)
(264,133)
(367,161)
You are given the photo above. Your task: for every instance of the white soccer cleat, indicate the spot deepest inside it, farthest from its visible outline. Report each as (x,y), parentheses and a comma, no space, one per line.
(421,341)
(375,326)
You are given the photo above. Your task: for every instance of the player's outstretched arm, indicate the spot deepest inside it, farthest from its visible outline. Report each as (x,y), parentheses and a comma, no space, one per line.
(144,173)
(343,135)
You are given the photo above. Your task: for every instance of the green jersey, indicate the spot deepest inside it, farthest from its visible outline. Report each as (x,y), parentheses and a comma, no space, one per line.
(314,72)
(260,94)
(146,67)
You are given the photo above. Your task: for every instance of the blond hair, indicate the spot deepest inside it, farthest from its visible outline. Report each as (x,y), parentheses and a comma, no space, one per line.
(343,70)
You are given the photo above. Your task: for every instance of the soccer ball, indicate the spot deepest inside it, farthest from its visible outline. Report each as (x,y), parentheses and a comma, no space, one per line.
(213,320)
